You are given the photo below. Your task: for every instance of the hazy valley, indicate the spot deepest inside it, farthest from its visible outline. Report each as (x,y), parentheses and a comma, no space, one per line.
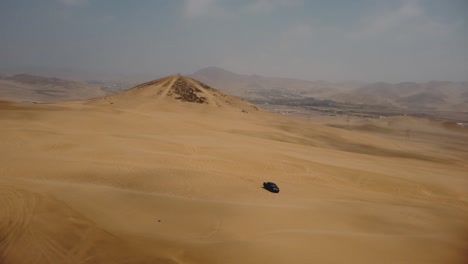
(435,99)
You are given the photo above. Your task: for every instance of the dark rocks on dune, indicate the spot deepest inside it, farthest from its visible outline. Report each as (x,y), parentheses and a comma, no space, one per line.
(187,92)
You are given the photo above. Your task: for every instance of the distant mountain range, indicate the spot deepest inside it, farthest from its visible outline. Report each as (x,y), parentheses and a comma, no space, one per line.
(32,88)
(260,87)
(434,95)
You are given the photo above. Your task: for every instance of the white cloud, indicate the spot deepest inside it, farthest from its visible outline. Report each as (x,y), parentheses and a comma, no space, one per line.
(409,20)
(199,8)
(73,2)
(215,8)
(382,22)
(271,5)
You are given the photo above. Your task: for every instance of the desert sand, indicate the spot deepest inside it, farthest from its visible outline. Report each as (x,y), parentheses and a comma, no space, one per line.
(161,174)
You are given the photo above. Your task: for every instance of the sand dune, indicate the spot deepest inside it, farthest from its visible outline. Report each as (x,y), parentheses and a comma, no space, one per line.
(144,177)
(175,91)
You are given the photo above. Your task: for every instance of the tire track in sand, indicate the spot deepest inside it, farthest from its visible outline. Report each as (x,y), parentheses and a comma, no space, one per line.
(37,228)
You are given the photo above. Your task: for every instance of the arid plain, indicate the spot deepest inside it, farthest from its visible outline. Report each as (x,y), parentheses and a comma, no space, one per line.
(171,172)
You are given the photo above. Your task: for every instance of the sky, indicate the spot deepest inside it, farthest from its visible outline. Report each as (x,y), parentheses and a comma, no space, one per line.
(334,40)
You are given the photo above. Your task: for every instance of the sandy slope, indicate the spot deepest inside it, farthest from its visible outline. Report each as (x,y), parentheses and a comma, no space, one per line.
(181,183)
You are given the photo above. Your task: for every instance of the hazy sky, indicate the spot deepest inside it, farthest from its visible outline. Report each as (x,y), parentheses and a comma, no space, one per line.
(386,40)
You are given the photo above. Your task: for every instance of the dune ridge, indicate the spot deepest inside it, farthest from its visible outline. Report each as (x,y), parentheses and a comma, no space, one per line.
(172,91)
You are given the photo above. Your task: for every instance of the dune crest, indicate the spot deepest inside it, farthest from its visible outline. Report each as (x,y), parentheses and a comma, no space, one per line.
(175,90)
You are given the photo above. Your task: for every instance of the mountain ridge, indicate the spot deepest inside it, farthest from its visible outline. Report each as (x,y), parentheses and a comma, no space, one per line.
(34,88)
(437,95)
